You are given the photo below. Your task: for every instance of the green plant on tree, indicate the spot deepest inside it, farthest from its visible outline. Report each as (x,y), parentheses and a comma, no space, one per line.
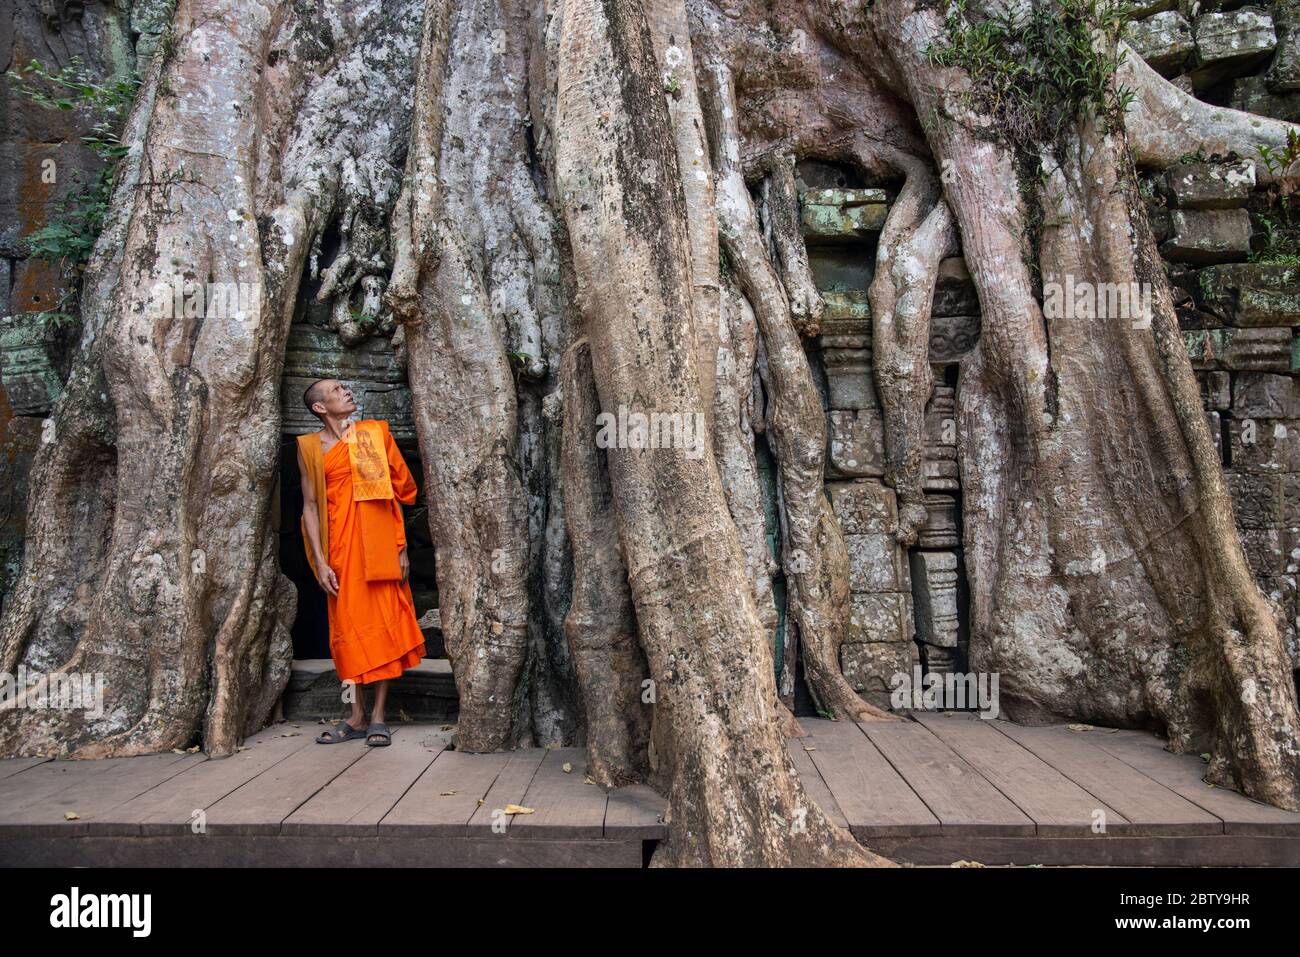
(69,237)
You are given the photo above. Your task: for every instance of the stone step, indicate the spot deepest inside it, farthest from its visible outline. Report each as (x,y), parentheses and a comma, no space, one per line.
(426,692)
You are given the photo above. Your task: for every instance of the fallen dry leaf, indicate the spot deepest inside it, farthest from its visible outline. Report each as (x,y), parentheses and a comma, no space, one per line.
(810,749)
(567,768)
(517,809)
(966,864)
(403,715)
(71,816)
(1079,727)
(447,794)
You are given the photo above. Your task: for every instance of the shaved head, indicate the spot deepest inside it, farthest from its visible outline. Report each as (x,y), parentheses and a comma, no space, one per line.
(313,395)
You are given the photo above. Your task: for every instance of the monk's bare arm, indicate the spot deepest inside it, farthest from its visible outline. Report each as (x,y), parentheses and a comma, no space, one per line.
(311,521)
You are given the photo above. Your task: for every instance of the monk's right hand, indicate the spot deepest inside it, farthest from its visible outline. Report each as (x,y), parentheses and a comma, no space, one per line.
(328,581)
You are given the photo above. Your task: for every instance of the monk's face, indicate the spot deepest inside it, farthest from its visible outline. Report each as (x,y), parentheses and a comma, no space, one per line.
(336,399)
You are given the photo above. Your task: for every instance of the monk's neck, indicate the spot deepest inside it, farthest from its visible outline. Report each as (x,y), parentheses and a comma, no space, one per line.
(335,427)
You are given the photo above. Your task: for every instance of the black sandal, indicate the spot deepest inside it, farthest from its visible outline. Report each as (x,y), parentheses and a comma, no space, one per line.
(341,732)
(379,731)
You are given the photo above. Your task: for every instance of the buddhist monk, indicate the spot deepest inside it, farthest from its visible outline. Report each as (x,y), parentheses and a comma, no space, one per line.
(353,478)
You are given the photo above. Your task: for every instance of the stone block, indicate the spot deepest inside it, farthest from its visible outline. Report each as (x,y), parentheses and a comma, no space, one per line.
(843,214)
(1252,95)
(1163,40)
(1231,43)
(1264,446)
(951,337)
(871,666)
(886,617)
(843,304)
(1263,547)
(865,507)
(1217,390)
(1258,350)
(934,590)
(1251,294)
(1210,185)
(876,564)
(849,379)
(1207,236)
(857,444)
(1256,499)
(940,529)
(954,290)
(27,375)
(1263,396)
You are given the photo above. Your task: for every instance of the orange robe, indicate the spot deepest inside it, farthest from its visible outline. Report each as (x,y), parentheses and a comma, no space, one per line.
(373,632)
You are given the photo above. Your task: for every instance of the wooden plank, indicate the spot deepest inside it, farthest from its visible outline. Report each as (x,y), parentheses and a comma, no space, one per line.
(1150,808)
(562,805)
(813,782)
(509,788)
(96,795)
(261,805)
(170,807)
(1192,850)
(1184,775)
(954,792)
(41,782)
(872,795)
(635,812)
(1056,804)
(11,766)
(357,800)
(445,796)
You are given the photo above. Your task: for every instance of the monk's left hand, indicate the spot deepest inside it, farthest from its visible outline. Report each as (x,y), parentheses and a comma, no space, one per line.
(404,563)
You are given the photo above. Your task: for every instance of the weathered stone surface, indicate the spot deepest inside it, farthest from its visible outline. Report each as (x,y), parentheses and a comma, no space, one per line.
(1210,185)
(954,290)
(876,564)
(1252,95)
(845,333)
(1264,445)
(26,372)
(370,370)
(886,617)
(1263,548)
(1217,390)
(940,469)
(1163,40)
(1259,350)
(870,666)
(19,440)
(843,214)
(1208,236)
(1231,43)
(846,304)
(1251,294)
(934,592)
(864,507)
(849,381)
(951,337)
(1263,396)
(857,443)
(1240,350)
(1256,499)
(940,529)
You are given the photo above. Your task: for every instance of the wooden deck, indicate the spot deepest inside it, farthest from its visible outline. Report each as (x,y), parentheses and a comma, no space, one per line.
(935,790)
